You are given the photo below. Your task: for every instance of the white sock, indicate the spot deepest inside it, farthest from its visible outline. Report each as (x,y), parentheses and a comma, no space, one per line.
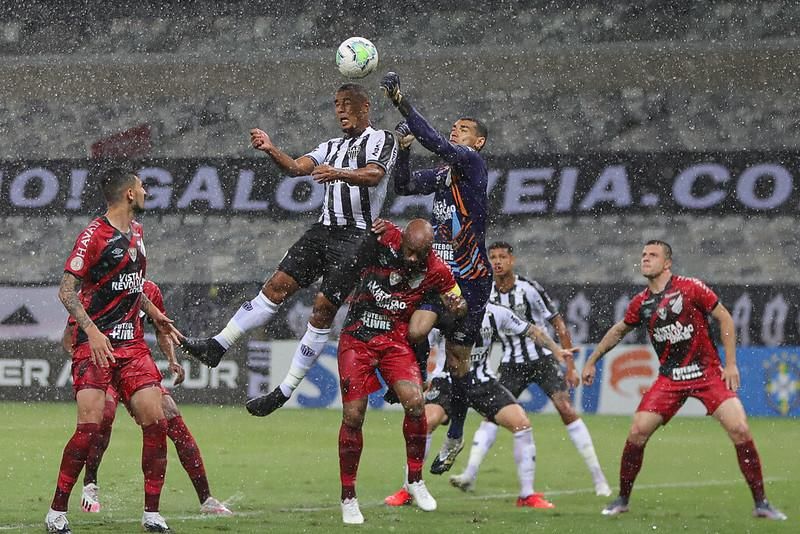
(525,458)
(306,353)
(580,437)
(428,440)
(482,441)
(253,313)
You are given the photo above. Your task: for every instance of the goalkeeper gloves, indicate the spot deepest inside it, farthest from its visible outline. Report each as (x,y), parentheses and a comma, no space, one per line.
(391,88)
(404,135)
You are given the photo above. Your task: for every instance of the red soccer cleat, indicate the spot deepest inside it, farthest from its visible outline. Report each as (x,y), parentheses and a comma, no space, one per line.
(401,498)
(535,500)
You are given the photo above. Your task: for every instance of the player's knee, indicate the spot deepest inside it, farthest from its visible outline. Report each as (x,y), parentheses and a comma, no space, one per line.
(740,432)
(279,286)
(353,417)
(323,312)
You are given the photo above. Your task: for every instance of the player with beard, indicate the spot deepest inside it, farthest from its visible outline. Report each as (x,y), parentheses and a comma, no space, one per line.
(675,311)
(354,170)
(398,271)
(108,263)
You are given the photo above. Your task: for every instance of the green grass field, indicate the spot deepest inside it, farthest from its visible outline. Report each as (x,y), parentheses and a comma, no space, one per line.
(280,474)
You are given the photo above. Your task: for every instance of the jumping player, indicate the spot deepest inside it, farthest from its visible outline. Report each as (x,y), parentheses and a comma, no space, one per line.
(675,311)
(399,270)
(353,169)
(459,217)
(523,363)
(185,444)
(487,396)
(108,263)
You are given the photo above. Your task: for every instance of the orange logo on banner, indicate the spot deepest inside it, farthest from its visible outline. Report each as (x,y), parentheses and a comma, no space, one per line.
(632,364)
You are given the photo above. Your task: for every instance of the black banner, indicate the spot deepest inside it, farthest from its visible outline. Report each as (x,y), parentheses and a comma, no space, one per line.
(538,185)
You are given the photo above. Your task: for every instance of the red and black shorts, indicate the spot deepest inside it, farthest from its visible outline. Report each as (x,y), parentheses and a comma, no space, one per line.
(359,361)
(666,396)
(133,370)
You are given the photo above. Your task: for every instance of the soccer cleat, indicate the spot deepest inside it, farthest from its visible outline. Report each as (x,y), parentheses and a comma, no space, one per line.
(351,513)
(766,510)
(399,498)
(422,497)
(153,522)
(213,506)
(602,489)
(616,507)
(534,500)
(447,455)
(56,522)
(266,404)
(90,500)
(462,482)
(204,350)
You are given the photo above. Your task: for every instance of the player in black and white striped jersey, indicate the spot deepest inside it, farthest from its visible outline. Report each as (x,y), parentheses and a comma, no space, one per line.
(524,363)
(354,170)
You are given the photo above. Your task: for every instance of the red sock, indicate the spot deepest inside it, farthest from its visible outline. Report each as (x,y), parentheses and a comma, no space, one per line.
(99,443)
(189,455)
(750,464)
(154,462)
(72,461)
(351,443)
(632,457)
(415,430)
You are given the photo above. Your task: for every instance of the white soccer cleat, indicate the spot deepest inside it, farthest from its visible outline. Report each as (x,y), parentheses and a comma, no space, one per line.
(90,498)
(56,522)
(351,513)
(616,507)
(602,489)
(153,522)
(213,506)
(462,482)
(766,510)
(422,497)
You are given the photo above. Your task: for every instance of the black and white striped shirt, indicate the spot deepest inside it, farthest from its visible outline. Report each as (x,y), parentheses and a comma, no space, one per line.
(352,205)
(496,320)
(529,300)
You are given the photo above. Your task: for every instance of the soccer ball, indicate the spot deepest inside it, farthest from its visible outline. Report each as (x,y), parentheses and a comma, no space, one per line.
(356,57)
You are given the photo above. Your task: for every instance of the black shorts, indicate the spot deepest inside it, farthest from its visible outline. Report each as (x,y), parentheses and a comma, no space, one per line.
(545,372)
(323,251)
(486,398)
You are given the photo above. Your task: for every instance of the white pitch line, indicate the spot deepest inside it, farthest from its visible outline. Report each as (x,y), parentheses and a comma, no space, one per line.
(455,497)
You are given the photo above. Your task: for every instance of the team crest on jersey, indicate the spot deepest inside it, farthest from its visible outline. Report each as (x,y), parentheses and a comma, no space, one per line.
(676,305)
(132,252)
(662,313)
(782,383)
(395,278)
(353,151)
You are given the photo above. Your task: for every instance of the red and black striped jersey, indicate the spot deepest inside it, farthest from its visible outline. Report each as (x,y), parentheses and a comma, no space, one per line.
(677,322)
(111,266)
(388,292)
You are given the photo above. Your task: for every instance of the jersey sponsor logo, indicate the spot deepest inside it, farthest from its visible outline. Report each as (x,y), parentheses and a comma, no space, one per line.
(689,372)
(76,263)
(782,382)
(376,321)
(444,251)
(130,282)
(384,299)
(674,333)
(122,332)
(442,211)
(85,238)
(117,253)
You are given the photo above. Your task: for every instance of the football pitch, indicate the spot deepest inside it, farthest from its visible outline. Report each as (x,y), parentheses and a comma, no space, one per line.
(280,474)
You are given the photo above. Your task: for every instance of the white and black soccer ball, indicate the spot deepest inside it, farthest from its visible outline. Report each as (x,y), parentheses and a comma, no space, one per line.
(356,57)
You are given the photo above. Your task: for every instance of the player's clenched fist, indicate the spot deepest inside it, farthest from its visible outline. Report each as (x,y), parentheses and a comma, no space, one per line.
(260,140)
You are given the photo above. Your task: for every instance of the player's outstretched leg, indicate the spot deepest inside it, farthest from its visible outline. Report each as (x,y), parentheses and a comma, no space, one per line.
(207,351)
(264,405)
(482,441)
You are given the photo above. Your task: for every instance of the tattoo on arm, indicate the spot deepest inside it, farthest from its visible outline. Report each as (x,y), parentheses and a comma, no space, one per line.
(68,294)
(146,305)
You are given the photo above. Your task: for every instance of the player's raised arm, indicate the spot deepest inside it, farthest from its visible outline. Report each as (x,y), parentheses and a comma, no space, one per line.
(405,182)
(302,166)
(419,126)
